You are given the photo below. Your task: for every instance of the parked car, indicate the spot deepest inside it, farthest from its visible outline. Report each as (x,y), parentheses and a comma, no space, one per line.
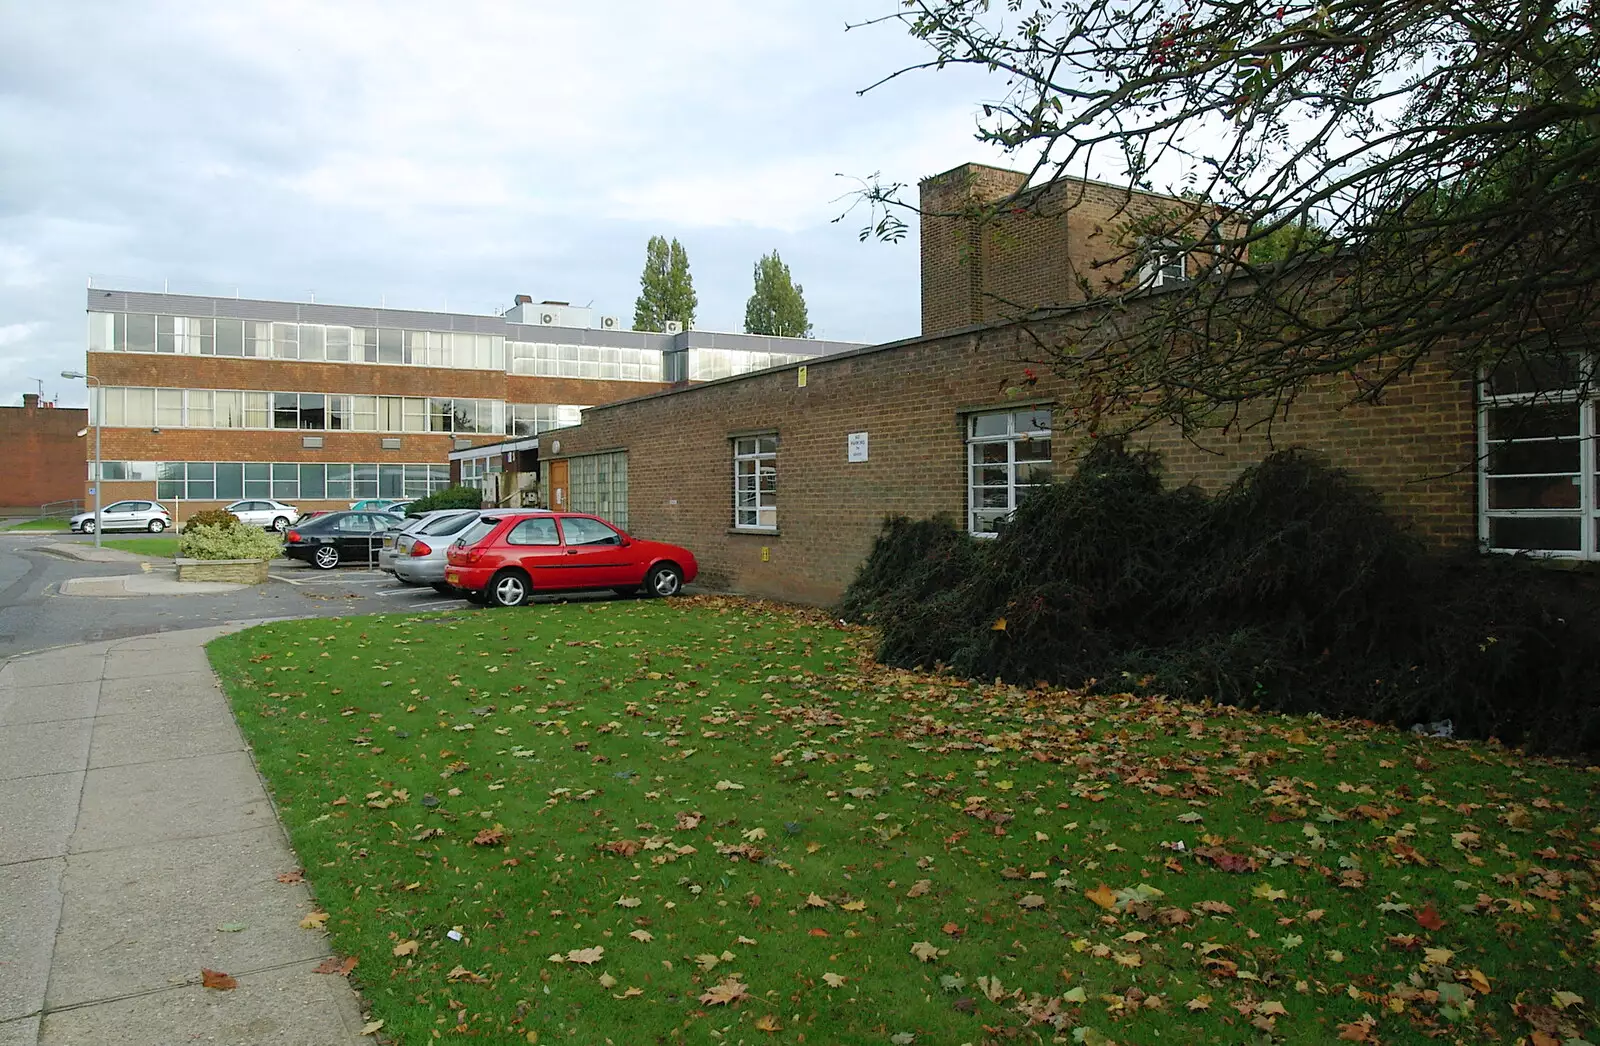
(505,557)
(124,515)
(399,508)
(261,512)
(373,504)
(420,552)
(338,537)
(388,553)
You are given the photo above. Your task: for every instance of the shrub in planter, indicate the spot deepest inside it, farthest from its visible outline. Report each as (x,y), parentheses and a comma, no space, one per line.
(454,497)
(213,517)
(223,542)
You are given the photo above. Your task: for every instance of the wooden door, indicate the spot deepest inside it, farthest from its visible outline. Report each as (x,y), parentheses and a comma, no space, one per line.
(560,495)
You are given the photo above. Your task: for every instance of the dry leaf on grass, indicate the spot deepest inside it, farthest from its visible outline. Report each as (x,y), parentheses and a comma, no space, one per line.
(407,948)
(314,921)
(726,993)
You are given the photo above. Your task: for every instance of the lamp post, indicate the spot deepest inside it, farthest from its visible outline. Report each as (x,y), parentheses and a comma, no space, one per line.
(99,416)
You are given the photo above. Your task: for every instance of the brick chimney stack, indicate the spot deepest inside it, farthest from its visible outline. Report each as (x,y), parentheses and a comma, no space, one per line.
(30,401)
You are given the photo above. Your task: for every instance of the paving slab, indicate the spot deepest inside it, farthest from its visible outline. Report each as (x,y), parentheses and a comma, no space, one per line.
(141,917)
(37,817)
(172,799)
(48,702)
(160,735)
(154,583)
(144,695)
(132,664)
(20,1033)
(30,906)
(30,749)
(286,1007)
(43,670)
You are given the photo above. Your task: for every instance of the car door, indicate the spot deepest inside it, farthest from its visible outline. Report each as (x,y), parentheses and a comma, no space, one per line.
(119,515)
(535,545)
(356,536)
(595,555)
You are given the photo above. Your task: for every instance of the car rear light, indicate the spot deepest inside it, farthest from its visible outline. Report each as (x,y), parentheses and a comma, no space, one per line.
(421,549)
(294,535)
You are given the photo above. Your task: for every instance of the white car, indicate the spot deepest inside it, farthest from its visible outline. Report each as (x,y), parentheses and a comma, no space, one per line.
(273,515)
(125,515)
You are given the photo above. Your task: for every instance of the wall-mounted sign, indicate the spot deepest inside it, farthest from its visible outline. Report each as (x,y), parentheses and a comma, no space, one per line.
(555,446)
(857,444)
(800,376)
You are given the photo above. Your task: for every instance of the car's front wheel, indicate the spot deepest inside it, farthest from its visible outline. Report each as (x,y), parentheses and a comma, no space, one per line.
(509,588)
(88,526)
(325,558)
(156,526)
(280,524)
(664,580)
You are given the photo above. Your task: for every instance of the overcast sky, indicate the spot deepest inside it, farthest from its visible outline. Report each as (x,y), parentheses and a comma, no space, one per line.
(436,156)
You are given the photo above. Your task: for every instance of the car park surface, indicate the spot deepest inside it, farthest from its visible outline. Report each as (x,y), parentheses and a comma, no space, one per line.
(506,557)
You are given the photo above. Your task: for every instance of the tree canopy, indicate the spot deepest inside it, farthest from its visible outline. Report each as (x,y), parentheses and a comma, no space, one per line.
(1438,154)
(666,290)
(777,305)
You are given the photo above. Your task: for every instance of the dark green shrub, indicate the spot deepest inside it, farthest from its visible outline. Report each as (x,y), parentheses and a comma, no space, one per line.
(1292,590)
(213,517)
(452,497)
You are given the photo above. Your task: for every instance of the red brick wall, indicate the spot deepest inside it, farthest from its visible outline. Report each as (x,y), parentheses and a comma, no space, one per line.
(1417,448)
(41,455)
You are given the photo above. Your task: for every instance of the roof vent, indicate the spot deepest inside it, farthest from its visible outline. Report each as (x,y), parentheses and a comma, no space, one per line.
(523,299)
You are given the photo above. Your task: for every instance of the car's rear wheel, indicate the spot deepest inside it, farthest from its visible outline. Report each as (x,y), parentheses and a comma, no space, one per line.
(509,588)
(665,580)
(88,526)
(156,526)
(325,558)
(280,524)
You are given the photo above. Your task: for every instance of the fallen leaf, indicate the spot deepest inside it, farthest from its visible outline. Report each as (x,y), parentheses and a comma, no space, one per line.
(1031,901)
(489,837)
(925,952)
(628,993)
(371,1027)
(296,876)
(1198,1003)
(1356,1031)
(314,921)
(1479,981)
(1429,919)
(607,981)
(217,979)
(1102,895)
(854,906)
(1268,892)
(813,901)
(726,993)
(642,935)
(461,974)
(768,1023)
(833,980)
(1272,1009)
(586,956)
(628,902)
(335,965)
(920,888)
(407,948)
(1564,999)
(232,927)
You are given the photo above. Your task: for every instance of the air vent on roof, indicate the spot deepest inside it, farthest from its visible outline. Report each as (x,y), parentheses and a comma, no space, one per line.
(547,317)
(610,323)
(673,327)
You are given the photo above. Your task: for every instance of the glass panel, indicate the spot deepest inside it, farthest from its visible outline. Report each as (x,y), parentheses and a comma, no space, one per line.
(199,414)
(364,413)
(364,481)
(1033,450)
(285,481)
(338,481)
(1033,420)
(285,410)
(989,476)
(589,532)
(1536,374)
(313,483)
(230,480)
(1533,421)
(441,416)
(140,408)
(202,481)
(310,342)
(257,480)
(102,332)
(391,481)
(540,530)
(141,333)
(444,526)
(169,408)
(1508,459)
(416,482)
(1535,533)
(992,497)
(390,347)
(991,453)
(313,411)
(1035,473)
(1547,492)
(338,339)
(256,415)
(768,444)
(984,425)
(416,415)
(230,337)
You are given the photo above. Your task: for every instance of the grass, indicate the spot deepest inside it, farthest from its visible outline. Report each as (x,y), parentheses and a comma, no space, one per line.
(54,526)
(161,547)
(702,800)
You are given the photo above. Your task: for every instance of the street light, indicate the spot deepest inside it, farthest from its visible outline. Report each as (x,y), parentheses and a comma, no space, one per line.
(99,414)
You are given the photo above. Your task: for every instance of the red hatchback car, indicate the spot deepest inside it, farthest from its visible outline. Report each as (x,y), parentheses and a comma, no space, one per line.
(505,557)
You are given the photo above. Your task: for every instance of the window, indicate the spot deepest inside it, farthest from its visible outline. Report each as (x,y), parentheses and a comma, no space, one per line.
(313,481)
(755,482)
(1008,454)
(339,482)
(1164,264)
(200,414)
(230,338)
(230,480)
(540,530)
(589,532)
(1540,476)
(598,484)
(286,341)
(169,408)
(285,410)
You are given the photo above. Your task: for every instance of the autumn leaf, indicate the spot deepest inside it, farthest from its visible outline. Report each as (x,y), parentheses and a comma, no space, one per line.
(314,921)
(1031,901)
(1272,1009)
(490,837)
(1478,980)
(1357,1031)
(407,948)
(729,786)
(628,902)
(813,901)
(920,888)
(461,974)
(372,1027)
(218,980)
(642,935)
(586,956)
(1429,919)
(1268,892)
(335,965)
(296,876)
(1215,907)
(926,952)
(833,980)
(768,1023)
(854,906)
(688,822)
(1562,1000)
(1198,1003)
(726,993)
(1102,895)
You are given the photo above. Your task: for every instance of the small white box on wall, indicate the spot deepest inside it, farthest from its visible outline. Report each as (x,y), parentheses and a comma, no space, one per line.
(856,444)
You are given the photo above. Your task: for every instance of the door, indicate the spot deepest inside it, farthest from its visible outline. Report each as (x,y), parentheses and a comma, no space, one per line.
(560,492)
(595,555)
(120,515)
(358,536)
(535,545)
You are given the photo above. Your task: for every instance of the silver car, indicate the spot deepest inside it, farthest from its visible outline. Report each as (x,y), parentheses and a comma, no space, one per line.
(387,554)
(420,550)
(263,512)
(125,515)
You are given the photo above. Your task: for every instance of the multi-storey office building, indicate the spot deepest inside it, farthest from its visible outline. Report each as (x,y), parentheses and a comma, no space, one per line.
(205,400)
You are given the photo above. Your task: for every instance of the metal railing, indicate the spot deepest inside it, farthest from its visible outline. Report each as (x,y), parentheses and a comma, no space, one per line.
(60,509)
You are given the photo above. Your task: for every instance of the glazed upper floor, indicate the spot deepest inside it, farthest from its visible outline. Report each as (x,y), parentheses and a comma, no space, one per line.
(242,328)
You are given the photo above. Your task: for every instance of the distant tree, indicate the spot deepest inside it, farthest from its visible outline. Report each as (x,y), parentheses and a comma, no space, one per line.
(666,290)
(778,305)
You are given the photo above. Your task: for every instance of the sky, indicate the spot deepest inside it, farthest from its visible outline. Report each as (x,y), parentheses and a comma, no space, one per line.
(450,156)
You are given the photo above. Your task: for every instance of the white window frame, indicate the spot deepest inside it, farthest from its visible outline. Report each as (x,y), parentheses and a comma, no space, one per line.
(1161,258)
(1586,399)
(1010,438)
(752,451)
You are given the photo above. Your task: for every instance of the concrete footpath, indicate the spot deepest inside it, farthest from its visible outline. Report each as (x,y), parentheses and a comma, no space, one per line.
(133,826)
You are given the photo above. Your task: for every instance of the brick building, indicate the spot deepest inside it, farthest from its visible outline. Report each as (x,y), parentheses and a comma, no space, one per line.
(207,400)
(780,481)
(42,460)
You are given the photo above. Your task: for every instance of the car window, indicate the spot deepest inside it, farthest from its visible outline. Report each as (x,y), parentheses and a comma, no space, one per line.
(119,506)
(381,523)
(448,524)
(580,531)
(478,531)
(540,530)
(355,523)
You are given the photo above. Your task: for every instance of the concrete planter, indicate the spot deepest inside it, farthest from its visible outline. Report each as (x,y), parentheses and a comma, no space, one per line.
(238,571)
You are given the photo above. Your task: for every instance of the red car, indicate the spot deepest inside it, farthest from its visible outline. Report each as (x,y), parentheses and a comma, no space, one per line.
(505,557)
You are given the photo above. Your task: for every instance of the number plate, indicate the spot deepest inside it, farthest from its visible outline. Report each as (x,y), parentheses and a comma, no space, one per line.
(453,578)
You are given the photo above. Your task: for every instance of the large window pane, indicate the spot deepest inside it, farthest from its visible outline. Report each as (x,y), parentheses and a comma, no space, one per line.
(1536,533)
(313,481)
(338,343)
(364,482)
(313,411)
(199,414)
(230,481)
(285,481)
(1510,459)
(338,482)
(391,481)
(1535,492)
(286,341)
(140,408)
(230,337)
(256,412)
(169,479)
(311,343)
(390,347)
(257,480)
(169,408)
(285,410)
(202,481)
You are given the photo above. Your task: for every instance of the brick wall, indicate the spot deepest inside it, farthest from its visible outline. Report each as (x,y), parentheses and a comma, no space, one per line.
(1417,448)
(42,457)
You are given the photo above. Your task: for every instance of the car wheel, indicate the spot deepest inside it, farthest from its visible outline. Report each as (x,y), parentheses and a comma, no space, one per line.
(280,524)
(664,580)
(509,588)
(325,558)
(156,526)
(88,526)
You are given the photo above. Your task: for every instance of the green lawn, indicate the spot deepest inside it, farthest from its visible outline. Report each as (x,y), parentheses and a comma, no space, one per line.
(49,525)
(705,821)
(164,547)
